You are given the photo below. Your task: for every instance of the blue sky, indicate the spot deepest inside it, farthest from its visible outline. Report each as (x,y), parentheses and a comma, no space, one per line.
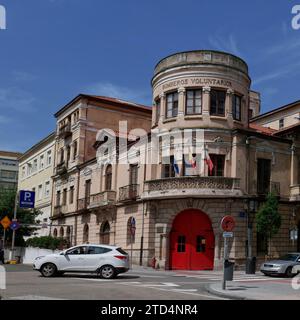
(54,49)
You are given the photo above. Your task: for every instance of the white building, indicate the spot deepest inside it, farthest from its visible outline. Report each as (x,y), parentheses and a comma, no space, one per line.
(35,172)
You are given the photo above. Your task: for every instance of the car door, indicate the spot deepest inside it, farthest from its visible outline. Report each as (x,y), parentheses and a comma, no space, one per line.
(74,259)
(96,257)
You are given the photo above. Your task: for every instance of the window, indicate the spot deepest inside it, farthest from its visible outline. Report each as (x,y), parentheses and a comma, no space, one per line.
(35,165)
(86,233)
(58,198)
(108,178)
(40,191)
(55,233)
(172,105)
(78,250)
(105,233)
(181,244)
(236,107)
(281,123)
(98,250)
(168,169)
(193,102)
(49,158)
(157,104)
(201,244)
(263,175)
(87,191)
(75,147)
(64,199)
(261,244)
(23,172)
(62,155)
(29,169)
(250,113)
(41,166)
(68,153)
(71,200)
(47,189)
(6,174)
(217,103)
(133,174)
(218,165)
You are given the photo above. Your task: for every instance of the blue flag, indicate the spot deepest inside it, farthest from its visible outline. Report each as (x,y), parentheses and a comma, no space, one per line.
(175,166)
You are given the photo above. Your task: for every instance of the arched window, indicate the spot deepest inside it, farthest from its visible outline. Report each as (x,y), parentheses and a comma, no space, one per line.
(108,177)
(62,155)
(55,233)
(85,234)
(69,235)
(105,233)
(130,231)
(75,147)
(61,232)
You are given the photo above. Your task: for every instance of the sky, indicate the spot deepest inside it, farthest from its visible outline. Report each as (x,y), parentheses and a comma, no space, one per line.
(52,50)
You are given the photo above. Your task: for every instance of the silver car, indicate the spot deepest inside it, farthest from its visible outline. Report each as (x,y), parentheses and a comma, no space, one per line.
(285,265)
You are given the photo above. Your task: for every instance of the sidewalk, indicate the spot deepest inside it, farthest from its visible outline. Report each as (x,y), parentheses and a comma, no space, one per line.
(267,290)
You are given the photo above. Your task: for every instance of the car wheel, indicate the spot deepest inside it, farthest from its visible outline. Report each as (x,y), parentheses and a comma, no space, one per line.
(289,272)
(108,272)
(48,270)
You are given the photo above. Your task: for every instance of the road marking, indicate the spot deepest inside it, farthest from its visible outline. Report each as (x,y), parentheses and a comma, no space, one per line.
(33,297)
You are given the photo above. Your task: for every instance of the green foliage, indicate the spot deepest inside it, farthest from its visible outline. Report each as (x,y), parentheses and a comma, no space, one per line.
(268,219)
(24,216)
(46,243)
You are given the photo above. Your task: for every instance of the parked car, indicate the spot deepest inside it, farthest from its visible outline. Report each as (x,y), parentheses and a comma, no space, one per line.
(282,266)
(107,261)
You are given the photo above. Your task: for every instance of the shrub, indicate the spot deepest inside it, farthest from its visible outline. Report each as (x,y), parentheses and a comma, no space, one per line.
(46,243)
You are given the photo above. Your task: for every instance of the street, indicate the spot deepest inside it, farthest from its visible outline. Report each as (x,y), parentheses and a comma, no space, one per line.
(141,284)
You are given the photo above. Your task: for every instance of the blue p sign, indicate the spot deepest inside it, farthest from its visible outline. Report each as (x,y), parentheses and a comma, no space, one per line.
(27,199)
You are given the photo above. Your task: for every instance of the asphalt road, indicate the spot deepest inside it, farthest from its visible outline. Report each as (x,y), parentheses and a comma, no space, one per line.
(24,283)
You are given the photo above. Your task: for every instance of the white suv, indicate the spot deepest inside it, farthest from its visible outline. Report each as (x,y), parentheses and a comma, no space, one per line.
(107,261)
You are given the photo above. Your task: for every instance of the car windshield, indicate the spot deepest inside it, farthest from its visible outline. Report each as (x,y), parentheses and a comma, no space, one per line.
(289,257)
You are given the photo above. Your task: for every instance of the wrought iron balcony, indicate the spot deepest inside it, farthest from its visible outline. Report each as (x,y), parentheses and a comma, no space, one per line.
(60,210)
(65,131)
(129,192)
(194,186)
(83,204)
(102,199)
(62,168)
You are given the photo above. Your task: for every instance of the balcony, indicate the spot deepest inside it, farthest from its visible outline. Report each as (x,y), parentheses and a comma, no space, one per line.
(129,193)
(272,187)
(61,168)
(295,192)
(83,204)
(102,199)
(192,186)
(60,210)
(65,131)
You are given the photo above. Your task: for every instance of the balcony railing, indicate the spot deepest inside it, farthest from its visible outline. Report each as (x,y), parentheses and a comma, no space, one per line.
(62,168)
(102,199)
(129,192)
(273,187)
(65,130)
(60,210)
(192,186)
(83,204)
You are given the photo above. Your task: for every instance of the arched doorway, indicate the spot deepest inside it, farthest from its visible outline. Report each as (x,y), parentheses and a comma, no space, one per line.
(105,233)
(55,233)
(192,241)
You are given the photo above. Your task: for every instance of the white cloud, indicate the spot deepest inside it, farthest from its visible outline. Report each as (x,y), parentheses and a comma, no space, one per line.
(228,44)
(115,91)
(23,76)
(16,99)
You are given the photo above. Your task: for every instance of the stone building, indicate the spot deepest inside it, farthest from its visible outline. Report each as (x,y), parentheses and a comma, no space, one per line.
(178,202)
(9,169)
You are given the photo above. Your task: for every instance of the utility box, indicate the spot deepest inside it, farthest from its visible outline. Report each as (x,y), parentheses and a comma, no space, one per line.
(228,270)
(251,265)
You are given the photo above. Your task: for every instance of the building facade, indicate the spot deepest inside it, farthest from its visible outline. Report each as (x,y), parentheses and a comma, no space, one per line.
(178,201)
(9,169)
(36,170)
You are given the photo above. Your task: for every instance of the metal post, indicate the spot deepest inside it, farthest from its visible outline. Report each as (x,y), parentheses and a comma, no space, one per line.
(224,260)
(131,250)
(11,256)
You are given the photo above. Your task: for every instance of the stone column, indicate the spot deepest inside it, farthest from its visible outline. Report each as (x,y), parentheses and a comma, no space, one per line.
(294,167)
(162,116)
(206,101)
(228,104)
(181,102)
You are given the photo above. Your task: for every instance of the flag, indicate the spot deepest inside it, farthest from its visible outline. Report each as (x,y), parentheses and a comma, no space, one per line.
(208,161)
(175,166)
(192,159)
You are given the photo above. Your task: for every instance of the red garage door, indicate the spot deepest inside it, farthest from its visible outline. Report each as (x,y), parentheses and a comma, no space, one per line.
(192,242)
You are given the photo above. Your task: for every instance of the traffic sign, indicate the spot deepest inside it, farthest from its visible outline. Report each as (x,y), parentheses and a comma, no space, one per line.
(27,199)
(15,225)
(132,225)
(227,234)
(5,222)
(228,223)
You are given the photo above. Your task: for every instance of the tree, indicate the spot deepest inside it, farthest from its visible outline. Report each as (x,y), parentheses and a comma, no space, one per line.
(24,216)
(268,219)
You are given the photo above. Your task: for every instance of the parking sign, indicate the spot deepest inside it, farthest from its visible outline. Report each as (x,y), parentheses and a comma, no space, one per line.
(27,199)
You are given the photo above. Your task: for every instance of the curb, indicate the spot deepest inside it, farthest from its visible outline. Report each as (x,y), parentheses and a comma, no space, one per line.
(223,295)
